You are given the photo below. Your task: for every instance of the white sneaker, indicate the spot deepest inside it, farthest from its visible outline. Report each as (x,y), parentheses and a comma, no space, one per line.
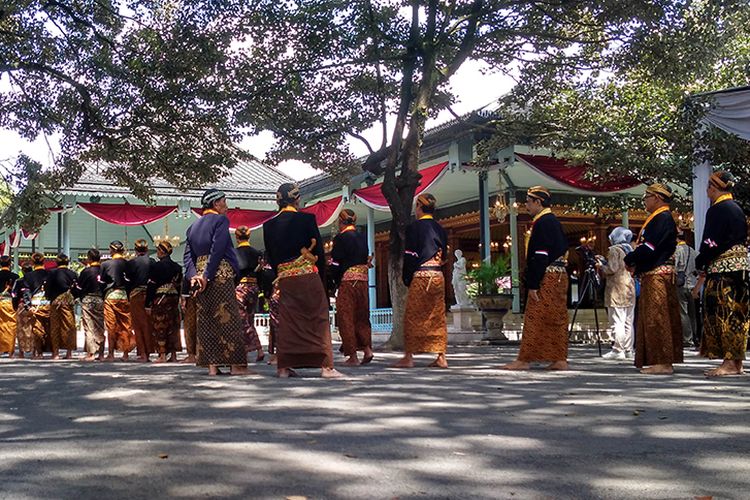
(614,355)
(629,354)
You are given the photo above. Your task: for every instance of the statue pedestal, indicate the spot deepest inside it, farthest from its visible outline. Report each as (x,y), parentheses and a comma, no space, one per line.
(466,326)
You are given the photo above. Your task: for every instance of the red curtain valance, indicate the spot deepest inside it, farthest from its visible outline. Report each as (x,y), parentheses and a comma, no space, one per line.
(125,214)
(326,211)
(373,197)
(575,175)
(242,217)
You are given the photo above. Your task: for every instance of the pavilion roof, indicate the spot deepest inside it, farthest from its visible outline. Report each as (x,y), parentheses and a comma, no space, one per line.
(249,180)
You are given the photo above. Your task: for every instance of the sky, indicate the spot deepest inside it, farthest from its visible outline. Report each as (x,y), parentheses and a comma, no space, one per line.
(473,89)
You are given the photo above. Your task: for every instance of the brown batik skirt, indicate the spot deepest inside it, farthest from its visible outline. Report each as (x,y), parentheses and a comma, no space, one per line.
(726,319)
(425,329)
(62,323)
(141,322)
(7,324)
(40,313)
(273,318)
(303,335)
(165,318)
(219,325)
(117,318)
(545,321)
(92,320)
(353,316)
(658,339)
(247,301)
(27,341)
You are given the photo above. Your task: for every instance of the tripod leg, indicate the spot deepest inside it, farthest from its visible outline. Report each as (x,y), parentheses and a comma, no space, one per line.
(578,305)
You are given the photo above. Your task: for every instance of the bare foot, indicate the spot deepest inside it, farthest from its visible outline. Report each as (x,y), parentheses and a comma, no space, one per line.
(160,359)
(440,362)
(352,361)
(286,373)
(241,370)
(725,370)
(189,360)
(658,370)
(405,362)
(141,359)
(110,358)
(69,355)
(213,370)
(260,356)
(368,356)
(55,357)
(330,373)
(88,358)
(172,358)
(516,366)
(557,366)
(273,360)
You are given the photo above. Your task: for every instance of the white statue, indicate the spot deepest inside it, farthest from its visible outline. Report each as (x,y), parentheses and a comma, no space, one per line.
(459,280)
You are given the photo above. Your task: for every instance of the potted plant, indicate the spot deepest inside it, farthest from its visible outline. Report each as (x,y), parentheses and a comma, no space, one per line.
(490,287)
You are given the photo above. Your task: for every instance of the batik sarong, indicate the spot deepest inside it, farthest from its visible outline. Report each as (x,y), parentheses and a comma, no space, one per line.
(304,331)
(425,328)
(247,300)
(726,300)
(189,323)
(353,313)
(117,319)
(658,339)
(62,323)
(273,318)
(218,320)
(165,317)
(40,313)
(141,322)
(7,323)
(545,321)
(92,320)
(27,341)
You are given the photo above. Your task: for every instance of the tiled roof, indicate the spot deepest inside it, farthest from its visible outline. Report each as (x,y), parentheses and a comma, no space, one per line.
(248,180)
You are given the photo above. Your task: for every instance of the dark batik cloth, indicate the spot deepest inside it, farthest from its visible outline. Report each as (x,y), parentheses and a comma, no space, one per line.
(62,321)
(189,317)
(547,244)
(425,329)
(425,238)
(304,334)
(165,316)
(141,323)
(545,322)
(658,338)
(726,227)
(219,325)
(247,301)
(273,318)
(353,316)
(727,318)
(92,320)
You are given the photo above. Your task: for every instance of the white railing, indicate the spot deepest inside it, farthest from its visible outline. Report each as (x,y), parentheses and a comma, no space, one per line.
(381,320)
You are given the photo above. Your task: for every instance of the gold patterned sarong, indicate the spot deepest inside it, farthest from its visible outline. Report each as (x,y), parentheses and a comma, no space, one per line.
(117,318)
(141,322)
(92,320)
(62,323)
(545,321)
(7,323)
(425,328)
(219,325)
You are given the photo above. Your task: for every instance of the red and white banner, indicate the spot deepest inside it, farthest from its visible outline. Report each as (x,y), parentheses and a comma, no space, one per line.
(125,214)
(373,197)
(574,176)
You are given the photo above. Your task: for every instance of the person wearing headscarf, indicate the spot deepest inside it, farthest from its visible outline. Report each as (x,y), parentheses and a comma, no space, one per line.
(723,265)
(545,320)
(163,302)
(658,338)
(211,265)
(21,296)
(137,274)
(295,251)
(7,311)
(120,335)
(188,307)
(89,289)
(425,329)
(35,281)
(350,262)
(619,293)
(247,289)
(62,318)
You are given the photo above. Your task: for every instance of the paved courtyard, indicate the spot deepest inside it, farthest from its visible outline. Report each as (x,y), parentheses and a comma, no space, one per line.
(125,430)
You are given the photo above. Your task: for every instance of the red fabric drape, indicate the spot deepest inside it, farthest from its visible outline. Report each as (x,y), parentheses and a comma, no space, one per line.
(372,196)
(242,217)
(575,175)
(125,214)
(325,211)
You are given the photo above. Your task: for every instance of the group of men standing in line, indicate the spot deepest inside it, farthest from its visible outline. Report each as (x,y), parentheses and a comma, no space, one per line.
(222,284)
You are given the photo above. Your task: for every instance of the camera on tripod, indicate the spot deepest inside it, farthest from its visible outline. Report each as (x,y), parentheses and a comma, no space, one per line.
(590,260)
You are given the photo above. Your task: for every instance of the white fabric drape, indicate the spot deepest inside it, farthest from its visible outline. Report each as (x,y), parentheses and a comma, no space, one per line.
(731,112)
